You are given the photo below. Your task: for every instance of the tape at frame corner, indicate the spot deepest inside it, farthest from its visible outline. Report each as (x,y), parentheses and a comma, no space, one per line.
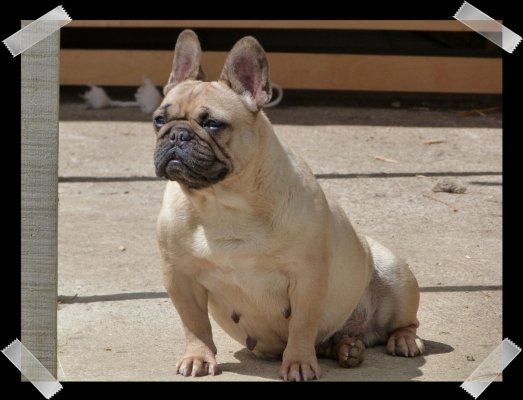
(37,31)
(487,27)
(490,368)
(32,369)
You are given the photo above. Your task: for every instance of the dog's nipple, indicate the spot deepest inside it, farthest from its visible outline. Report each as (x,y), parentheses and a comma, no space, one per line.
(235,317)
(251,343)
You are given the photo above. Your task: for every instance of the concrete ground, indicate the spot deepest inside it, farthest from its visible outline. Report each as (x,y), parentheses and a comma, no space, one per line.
(115,321)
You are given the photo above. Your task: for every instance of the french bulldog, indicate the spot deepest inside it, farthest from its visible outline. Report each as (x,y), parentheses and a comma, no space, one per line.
(247,234)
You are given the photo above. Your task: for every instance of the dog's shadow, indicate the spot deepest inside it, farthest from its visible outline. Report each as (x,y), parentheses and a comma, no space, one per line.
(378,366)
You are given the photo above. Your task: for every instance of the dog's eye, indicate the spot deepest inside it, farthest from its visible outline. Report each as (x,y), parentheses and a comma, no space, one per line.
(159,121)
(212,125)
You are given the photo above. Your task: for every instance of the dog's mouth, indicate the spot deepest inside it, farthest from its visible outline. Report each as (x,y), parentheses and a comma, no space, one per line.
(193,168)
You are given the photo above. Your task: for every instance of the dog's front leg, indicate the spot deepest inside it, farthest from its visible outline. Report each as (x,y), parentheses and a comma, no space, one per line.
(307,295)
(190,300)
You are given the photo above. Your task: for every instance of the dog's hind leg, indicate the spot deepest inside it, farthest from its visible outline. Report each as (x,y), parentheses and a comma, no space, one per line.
(386,314)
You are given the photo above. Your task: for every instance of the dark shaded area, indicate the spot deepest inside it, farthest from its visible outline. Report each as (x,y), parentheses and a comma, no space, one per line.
(112,297)
(432,347)
(326,41)
(249,365)
(323,107)
(474,288)
(105,179)
(164,295)
(404,174)
(333,98)
(415,101)
(481,183)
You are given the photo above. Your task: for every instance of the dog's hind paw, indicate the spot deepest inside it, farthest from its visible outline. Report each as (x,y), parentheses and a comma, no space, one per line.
(404,342)
(350,351)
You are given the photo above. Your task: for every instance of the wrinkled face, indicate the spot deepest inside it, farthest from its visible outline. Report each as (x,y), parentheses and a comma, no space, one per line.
(204,133)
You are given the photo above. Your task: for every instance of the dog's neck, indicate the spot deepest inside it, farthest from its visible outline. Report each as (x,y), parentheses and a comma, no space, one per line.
(253,190)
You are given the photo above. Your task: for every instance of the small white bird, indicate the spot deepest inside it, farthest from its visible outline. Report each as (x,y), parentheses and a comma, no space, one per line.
(96,97)
(148,98)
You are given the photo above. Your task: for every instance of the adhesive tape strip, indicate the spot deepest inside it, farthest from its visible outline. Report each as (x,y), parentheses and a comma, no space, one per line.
(487,27)
(32,369)
(490,368)
(37,30)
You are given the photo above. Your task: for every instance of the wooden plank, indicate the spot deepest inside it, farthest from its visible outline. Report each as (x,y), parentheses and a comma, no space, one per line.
(39,214)
(414,25)
(298,71)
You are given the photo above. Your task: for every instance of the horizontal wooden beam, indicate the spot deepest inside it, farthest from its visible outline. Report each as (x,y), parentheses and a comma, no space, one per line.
(412,25)
(297,70)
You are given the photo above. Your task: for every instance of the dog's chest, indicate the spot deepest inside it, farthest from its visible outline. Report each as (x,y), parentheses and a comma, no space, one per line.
(245,279)
(236,264)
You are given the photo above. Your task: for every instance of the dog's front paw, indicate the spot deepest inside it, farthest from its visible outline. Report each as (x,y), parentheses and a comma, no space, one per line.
(197,366)
(404,342)
(300,368)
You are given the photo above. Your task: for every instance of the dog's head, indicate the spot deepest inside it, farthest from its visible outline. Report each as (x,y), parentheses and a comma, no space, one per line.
(206,131)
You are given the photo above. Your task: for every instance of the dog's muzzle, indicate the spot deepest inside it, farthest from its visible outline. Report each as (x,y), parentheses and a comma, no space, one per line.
(184,157)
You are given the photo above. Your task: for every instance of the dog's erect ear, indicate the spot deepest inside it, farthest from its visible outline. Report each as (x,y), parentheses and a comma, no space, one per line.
(246,71)
(187,58)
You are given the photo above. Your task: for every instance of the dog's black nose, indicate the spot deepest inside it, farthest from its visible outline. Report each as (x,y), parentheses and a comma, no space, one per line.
(180,133)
